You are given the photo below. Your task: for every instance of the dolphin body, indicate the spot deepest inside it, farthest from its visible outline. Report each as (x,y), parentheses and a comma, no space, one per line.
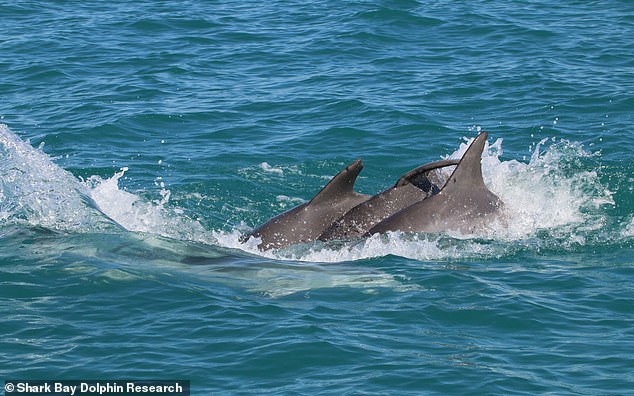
(422,200)
(464,203)
(304,223)
(414,186)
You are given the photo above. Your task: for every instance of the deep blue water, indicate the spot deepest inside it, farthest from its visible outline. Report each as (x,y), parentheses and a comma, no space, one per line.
(140,139)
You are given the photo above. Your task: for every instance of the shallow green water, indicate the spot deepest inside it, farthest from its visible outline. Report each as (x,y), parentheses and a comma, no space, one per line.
(140,140)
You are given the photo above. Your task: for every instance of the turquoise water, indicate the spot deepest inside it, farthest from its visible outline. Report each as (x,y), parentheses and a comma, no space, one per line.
(141,139)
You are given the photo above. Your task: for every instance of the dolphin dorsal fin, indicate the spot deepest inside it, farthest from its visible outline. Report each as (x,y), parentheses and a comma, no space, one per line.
(468,172)
(339,186)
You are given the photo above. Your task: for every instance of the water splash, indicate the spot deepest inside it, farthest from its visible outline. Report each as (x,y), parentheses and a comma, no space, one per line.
(550,201)
(36,191)
(552,191)
(628,230)
(136,214)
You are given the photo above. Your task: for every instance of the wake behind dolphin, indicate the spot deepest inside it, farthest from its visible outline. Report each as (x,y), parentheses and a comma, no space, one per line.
(422,200)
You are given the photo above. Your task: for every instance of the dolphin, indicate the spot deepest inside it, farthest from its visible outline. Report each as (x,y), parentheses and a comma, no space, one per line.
(414,186)
(304,223)
(463,204)
(422,200)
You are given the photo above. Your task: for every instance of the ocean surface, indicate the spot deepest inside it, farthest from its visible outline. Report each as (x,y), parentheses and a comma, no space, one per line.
(140,140)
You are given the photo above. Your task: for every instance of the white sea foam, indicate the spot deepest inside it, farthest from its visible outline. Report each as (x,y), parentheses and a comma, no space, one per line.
(36,191)
(548,197)
(628,230)
(266,167)
(417,247)
(137,214)
(543,193)
(546,194)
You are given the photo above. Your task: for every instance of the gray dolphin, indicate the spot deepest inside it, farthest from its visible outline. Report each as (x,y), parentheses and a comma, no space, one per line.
(422,200)
(414,186)
(463,204)
(304,223)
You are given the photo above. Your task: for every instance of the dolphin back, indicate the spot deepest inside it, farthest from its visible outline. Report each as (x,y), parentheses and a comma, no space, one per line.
(304,223)
(414,186)
(462,204)
(424,199)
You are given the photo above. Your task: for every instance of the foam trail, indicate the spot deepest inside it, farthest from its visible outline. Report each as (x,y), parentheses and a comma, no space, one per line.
(135,214)
(36,191)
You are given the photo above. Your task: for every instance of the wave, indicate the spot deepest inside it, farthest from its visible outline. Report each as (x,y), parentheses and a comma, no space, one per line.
(553,201)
